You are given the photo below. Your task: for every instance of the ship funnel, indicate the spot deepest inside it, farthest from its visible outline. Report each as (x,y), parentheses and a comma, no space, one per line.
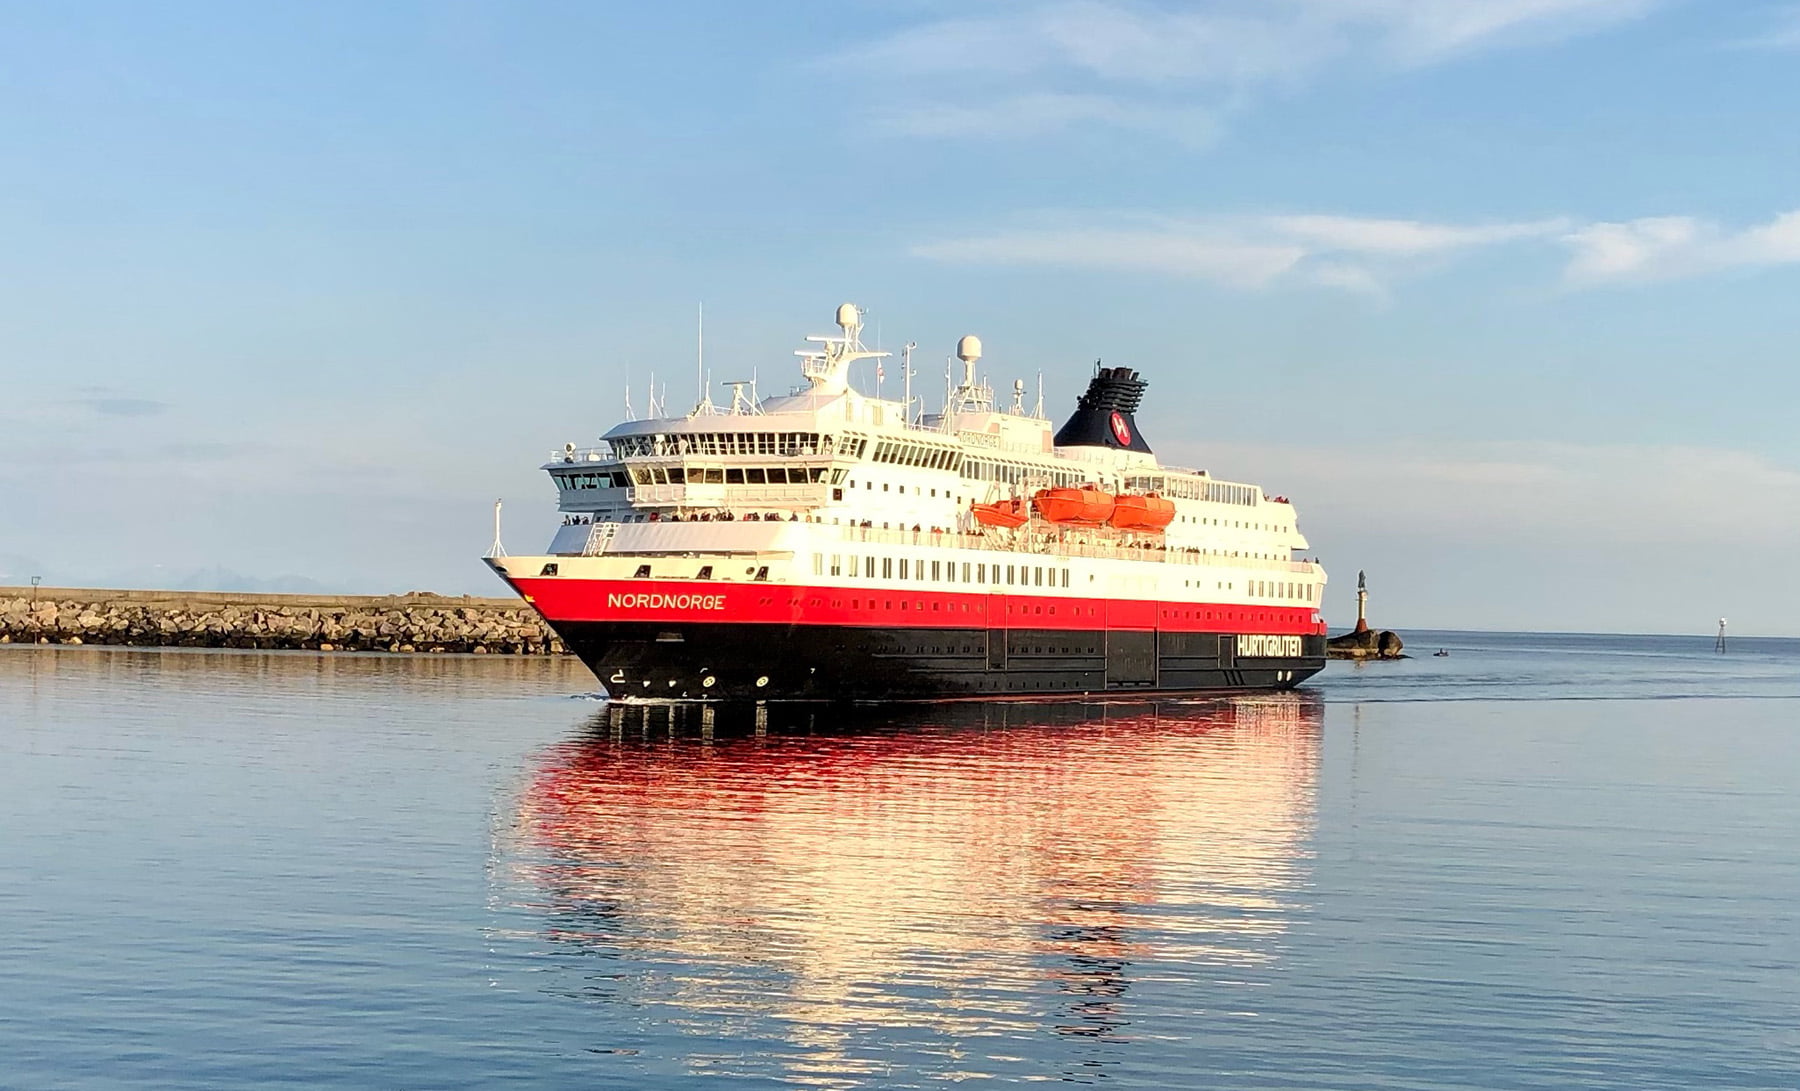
(1104,414)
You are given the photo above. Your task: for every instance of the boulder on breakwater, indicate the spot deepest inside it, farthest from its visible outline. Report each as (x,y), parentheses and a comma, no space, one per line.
(414,622)
(1366,644)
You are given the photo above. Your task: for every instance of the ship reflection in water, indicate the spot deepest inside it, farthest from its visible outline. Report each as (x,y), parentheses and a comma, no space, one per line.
(967,890)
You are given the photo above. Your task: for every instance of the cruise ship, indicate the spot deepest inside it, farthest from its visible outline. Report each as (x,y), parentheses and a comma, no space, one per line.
(831,545)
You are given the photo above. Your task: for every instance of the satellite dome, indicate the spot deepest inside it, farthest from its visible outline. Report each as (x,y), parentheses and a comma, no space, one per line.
(968,349)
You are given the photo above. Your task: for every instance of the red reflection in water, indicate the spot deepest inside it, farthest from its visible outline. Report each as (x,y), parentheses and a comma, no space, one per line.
(975,869)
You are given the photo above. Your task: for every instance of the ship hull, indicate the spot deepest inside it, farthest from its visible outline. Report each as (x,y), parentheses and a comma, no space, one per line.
(807,662)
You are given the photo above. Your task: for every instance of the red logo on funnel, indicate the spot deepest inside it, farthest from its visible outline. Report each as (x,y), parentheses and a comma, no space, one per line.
(1121,430)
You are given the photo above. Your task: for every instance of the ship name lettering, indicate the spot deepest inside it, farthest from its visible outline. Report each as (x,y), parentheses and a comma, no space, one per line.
(620,601)
(1268,646)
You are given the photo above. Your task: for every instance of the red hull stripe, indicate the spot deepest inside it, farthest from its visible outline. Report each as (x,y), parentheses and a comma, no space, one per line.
(690,601)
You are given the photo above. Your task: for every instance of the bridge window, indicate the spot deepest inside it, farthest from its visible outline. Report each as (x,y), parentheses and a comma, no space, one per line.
(642,573)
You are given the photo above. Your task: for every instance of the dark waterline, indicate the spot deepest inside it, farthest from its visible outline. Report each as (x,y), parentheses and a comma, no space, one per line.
(1540,861)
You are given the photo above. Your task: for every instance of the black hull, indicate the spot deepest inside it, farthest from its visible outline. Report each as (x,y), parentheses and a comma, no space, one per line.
(735,662)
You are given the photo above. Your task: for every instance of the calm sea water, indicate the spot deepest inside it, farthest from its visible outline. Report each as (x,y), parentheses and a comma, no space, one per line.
(1539,862)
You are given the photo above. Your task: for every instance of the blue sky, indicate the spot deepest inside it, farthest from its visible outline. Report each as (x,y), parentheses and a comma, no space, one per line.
(1502,292)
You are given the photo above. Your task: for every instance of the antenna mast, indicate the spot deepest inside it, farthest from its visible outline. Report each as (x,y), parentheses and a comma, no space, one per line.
(906,370)
(949,392)
(702,396)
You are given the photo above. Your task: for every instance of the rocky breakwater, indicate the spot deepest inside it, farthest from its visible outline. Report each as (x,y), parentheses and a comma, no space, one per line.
(415,622)
(1366,644)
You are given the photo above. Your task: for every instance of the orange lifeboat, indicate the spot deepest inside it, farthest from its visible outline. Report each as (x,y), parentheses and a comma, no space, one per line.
(1084,505)
(1006,513)
(1149,512)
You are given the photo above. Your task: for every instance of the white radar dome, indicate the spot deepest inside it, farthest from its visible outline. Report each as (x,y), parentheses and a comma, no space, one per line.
(847,316)
(968,350)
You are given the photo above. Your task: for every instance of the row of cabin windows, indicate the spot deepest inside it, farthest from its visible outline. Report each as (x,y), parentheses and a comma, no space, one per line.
(918,490)
(736,475)
(736,443)
(703,475)
(1190,488)
(1198,520)
(759,573)
(913,454)
(1278,589)
(939,571)
(945,572)
(1012,473)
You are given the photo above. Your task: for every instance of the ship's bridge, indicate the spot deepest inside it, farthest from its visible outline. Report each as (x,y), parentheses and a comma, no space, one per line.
(713,462)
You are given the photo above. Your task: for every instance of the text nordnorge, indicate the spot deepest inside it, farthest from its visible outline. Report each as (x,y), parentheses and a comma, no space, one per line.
(665,602)
(1261,646)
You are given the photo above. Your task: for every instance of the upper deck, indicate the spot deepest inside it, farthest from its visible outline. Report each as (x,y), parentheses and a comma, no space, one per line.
(831,453)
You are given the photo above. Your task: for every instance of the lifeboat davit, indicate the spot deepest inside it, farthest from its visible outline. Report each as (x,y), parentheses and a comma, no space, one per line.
(1084,505)
(1006,513)
(1149,512)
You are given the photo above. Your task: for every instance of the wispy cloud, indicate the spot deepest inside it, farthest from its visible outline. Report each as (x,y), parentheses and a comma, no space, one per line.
(1177,250)
(1405,238)
(1065,62)
(124,407)
(1669,247)
(1369,255)
(1342,252)
(1781,31)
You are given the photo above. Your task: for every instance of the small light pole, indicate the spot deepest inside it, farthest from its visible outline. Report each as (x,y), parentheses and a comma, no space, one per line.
(35,580)
(497,550)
